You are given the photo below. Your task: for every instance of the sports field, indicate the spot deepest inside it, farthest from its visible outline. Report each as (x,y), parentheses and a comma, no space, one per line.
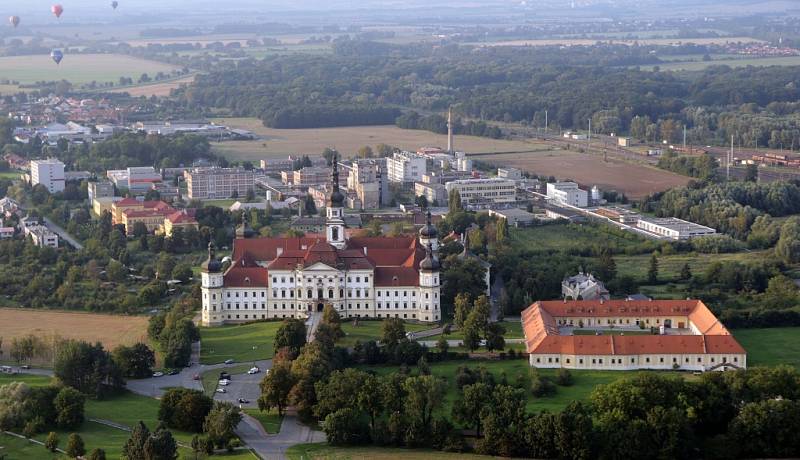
(78,68)
(635,180)
(110,330)
(347,140)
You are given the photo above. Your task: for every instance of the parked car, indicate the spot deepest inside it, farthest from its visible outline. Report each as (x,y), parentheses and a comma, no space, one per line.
(25,366)
(254,370)
(221,390)
(229,361)
(174,372)
(224,375)
(224,382)
(243,401)
(158,374)
(196,377)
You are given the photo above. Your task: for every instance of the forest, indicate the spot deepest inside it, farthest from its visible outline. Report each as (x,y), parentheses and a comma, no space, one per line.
(363,79)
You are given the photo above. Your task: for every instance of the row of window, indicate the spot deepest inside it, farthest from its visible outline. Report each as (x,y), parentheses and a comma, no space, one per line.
(633,360)
(358,315)
(330,280)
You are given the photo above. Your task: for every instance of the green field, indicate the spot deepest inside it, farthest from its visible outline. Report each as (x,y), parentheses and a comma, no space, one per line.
(270,420)
(78,68)
(326,452)
(669,266)
(698,64)
(771,347)
(32,380)
(13,448)
(513,331)
(371,330)
(248,342)
(562,237)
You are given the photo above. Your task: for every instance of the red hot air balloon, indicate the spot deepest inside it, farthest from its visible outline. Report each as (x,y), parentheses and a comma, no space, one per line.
(14,20)
(114,4)
(57,56)
(57,10)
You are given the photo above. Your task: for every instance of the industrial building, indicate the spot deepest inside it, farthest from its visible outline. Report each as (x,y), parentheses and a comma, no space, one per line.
(484,193)
(567,193)
(673,228)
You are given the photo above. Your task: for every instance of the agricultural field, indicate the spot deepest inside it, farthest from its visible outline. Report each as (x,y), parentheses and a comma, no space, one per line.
(78,68)
(110,330)
(242,343)
(158,89)
(279,143)
(623,41)
(635,180)
(698,64)
(669,266)
(564,237)
(770,347)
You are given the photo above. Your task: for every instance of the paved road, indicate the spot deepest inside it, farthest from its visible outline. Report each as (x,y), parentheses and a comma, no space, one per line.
(63,234)
(273,446)
(311,325)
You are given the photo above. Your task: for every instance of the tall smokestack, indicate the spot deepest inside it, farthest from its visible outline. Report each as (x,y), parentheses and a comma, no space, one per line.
(450,146)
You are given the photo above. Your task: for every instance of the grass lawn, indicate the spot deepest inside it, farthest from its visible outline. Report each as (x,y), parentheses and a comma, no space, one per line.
(669,266)
(770,347)
(270,420)
(325,452)
(371,330)
(513,331)
(210,379)
(248,342)
(13,175)
(13,448)
(225,204)
(31,380)
(561,237)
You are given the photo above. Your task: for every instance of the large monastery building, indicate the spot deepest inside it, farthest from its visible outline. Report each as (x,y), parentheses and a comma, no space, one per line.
(290,277)
(689,336)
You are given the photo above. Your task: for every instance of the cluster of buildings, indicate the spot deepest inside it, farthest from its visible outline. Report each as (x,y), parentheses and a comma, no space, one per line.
(156,216)
(51,109)
(612,335)
(290,277)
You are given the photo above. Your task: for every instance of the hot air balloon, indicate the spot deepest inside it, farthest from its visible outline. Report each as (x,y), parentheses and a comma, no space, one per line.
(114,4)
(14,20)
(57,10)
(57,56)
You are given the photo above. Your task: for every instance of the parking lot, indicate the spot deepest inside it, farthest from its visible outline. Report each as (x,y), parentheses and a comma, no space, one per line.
(242,386)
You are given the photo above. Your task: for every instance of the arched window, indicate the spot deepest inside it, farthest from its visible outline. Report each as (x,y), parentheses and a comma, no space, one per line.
(310,294)
(335,233)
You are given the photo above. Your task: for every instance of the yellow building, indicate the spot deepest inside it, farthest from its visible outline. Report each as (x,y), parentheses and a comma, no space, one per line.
(178,219)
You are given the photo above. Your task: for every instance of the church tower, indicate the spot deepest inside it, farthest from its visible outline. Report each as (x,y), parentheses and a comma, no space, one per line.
(428,234)
(429,284)
(335,213)
(211,286)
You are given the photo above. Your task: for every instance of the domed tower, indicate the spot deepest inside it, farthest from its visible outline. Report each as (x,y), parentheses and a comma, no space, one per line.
(429,286)
(212,286)
(335,212)
(244,231)
(429,235)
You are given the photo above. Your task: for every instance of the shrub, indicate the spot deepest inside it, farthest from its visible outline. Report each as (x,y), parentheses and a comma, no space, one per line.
(564,377)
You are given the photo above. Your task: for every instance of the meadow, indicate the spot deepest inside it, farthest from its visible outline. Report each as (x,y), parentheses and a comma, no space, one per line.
(371,330)
(770,347)
(242,343)
(78,68)
(279,143)
(110,330)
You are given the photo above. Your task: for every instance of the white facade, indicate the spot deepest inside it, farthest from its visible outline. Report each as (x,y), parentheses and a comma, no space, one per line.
(218,183)
(483,193)
(568,193)
(673,228)
(49,173)
(42,236)
(406,167)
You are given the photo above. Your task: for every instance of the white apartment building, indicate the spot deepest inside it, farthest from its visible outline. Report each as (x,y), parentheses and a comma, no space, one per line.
(673,228)
(568,193)
(42,236)
(218,183)
(406,167)
(49,172)
(484,193)
(138,179)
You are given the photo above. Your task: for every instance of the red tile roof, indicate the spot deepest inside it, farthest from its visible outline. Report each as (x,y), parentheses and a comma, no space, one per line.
(542,333)
(245,277)
(396,276)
